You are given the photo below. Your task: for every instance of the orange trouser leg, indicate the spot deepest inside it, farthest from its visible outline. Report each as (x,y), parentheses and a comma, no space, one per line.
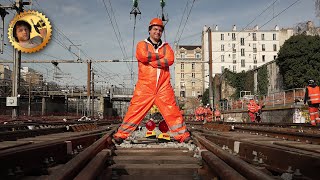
(170,111)
(314,115)
(139,107)
(252,116)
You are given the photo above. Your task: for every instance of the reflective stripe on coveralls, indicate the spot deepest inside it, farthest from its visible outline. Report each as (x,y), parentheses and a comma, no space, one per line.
(314,94)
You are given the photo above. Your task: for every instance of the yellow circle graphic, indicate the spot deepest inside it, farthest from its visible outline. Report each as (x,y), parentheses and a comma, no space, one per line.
(29,31)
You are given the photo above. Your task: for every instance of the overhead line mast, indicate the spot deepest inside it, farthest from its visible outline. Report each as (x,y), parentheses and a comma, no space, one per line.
(135,11)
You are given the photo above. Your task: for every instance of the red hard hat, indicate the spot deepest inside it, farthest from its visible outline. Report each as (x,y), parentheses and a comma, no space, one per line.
(156,22)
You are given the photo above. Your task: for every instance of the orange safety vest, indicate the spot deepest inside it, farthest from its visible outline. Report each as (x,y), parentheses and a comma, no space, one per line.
(314,94)
(252,106)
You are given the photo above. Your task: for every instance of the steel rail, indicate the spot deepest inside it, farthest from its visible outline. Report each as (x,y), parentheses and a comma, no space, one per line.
(241,166)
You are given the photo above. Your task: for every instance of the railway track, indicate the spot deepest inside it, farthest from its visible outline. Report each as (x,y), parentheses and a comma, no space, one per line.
(214,154)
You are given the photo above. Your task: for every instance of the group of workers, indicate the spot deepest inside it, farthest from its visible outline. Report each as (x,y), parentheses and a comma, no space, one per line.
(206,114)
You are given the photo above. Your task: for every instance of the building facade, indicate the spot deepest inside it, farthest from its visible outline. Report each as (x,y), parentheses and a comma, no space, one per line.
(241,50)
(29,75)
(188,71)
(5,72)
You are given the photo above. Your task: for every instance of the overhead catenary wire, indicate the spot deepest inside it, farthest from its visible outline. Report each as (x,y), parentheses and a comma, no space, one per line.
(186,21)
(182,17)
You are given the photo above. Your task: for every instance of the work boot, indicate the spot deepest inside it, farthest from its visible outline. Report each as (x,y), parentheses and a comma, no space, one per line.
(117,140)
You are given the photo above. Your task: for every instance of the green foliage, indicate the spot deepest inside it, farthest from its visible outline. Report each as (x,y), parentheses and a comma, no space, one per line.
(205,96)
(299,60)
(240,81)
(263,80)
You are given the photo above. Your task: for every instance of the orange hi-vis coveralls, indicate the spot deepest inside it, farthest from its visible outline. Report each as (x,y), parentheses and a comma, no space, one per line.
(252,109)
(313,94)
(153,87)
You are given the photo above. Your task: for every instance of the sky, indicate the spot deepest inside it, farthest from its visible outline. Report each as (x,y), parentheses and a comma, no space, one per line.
(104,30)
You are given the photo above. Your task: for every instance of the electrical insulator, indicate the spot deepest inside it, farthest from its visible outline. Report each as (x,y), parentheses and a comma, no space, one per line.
(150,125)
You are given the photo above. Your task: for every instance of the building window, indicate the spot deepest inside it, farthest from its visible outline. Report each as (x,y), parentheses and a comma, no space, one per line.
(222,58)
(222,37)
(182,94)
(222,69)
(263,47)
(193,93)
(193,66)
(182,66)
(234,36)
(222,47)
(242,52)
(274,47)
(254,66)
(193,84)
(254,36)
(263,58)
(254,47)
(242,41)
(274,57)
(255,59)
(193,75)
(274,37)
(234,61)
(198,55)
(234,56)
(182,75)
(243,63)
(234,68)
(262,36)
(182,55)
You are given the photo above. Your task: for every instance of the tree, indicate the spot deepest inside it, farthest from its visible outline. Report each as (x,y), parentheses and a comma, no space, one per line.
(242,81)
(299,60)
(205,96)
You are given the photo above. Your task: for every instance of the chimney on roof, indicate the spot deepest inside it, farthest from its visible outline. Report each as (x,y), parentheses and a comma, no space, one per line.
(310,25)
(205,28)
(234,28)
(276,28)
(216,28)
(256,27)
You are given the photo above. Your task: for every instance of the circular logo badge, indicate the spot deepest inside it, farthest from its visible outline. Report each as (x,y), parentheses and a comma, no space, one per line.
(29,31)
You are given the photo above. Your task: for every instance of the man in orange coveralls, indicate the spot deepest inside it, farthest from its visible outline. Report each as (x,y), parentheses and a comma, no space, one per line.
(153,87)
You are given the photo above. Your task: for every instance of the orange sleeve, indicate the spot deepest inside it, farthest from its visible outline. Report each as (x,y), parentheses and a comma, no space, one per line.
(166,60)
(144,55)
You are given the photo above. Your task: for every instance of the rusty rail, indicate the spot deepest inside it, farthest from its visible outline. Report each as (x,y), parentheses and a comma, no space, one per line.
(74,166)
(224,170)
(241,166)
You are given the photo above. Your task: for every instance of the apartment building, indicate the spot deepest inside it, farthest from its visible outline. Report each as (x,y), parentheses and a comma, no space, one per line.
(188,70)
(241,50)
(32,76)
(5,72)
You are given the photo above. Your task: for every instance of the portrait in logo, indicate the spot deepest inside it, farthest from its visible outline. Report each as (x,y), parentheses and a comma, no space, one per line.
(29,31)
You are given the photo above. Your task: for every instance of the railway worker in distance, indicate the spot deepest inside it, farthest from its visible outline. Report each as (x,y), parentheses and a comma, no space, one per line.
(21,34)
(312,96)
(153,87)
(208,113)
(252,109)
(217,113)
